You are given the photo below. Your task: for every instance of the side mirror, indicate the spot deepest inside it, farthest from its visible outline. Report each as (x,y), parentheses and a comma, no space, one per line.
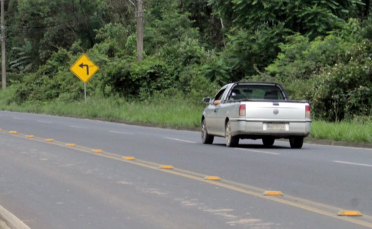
(207,100)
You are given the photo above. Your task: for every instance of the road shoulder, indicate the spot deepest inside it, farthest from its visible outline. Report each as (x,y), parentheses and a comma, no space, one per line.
(337,143)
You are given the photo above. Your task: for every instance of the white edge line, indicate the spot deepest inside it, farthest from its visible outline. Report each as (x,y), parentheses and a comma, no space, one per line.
(79,127)
(352,163)
(257,151)
(347,147)
(18,118)
(118,132)
(44,121)
(180,140)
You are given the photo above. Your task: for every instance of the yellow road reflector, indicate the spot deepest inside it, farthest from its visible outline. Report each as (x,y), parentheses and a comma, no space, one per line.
(70,144)
(273,193)
(97,151)
(13,132)
(49,140)
(29,136)
(166,167)
(349,213)
(211,178)
(128,158)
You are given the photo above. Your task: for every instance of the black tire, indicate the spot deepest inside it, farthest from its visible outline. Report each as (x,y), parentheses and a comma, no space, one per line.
(206,138)
(268,141)
(296,142)
(230,140)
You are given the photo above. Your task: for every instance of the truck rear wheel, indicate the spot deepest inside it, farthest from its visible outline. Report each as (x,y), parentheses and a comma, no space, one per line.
(296,142)
(230,140)
(268,141)
(206,138)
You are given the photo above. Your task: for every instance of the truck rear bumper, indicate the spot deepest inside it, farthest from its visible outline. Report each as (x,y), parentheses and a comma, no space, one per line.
(277,129)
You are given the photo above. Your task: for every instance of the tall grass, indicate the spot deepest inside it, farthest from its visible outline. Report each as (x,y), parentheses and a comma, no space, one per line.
(342,131)
(162,112)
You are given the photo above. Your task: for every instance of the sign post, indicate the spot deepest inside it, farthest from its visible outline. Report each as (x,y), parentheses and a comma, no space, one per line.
(84,69)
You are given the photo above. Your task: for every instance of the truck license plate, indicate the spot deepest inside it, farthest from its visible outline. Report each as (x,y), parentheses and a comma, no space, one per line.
(275,126)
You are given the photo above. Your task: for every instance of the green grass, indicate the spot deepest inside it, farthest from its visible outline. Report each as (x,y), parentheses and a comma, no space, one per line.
(343,131)
(162,112)
(174,112)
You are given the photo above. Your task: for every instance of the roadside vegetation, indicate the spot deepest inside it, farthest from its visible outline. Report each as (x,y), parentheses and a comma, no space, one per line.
(319,50)
(173,112)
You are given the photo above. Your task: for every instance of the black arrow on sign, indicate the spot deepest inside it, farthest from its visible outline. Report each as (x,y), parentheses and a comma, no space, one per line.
(82,65)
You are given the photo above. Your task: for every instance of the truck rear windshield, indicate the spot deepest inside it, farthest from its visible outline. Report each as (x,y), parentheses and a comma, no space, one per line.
(259,92)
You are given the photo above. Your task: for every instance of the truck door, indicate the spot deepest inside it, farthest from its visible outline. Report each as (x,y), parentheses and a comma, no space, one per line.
(211,112)
(224,109)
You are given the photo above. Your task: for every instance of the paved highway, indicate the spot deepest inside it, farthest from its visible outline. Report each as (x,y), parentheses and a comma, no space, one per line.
(52,185)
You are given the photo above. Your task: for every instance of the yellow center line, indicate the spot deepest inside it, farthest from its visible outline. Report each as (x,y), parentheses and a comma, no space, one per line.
(305,204)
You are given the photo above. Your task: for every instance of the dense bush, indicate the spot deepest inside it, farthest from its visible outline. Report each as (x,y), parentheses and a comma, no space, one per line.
(130,79)
(333,73)
(344,91)
(54,81)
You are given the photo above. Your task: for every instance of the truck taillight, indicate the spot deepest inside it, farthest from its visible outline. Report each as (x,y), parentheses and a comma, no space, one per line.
(307,111)
(242,110)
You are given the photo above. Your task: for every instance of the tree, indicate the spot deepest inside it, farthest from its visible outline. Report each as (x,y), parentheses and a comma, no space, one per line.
(24,58)
(309,17)
(211,26)
(49,25)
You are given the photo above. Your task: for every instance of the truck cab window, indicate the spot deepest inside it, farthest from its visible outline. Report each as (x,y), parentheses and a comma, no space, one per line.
(218,97)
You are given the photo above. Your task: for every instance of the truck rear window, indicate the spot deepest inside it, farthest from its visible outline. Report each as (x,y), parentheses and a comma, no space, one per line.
(252,92)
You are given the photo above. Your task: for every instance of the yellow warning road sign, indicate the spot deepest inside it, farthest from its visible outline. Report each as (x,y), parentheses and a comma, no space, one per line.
(84,68)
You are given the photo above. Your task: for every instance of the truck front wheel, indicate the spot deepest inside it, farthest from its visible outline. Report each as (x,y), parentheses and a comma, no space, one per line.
(206,138)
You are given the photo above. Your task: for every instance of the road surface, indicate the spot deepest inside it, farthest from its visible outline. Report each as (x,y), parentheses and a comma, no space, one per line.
(48,184)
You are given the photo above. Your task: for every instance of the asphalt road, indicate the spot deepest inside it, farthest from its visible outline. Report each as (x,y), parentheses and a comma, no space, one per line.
(51,185)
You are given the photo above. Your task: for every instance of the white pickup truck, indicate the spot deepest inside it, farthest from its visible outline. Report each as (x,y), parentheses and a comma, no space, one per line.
(255,110)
